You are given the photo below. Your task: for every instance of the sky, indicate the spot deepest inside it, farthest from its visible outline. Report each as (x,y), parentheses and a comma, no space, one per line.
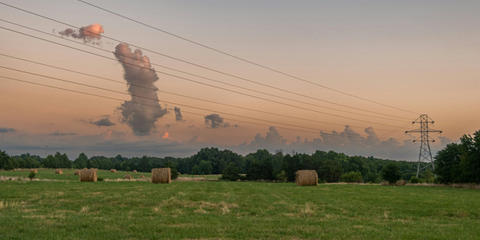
(420,56)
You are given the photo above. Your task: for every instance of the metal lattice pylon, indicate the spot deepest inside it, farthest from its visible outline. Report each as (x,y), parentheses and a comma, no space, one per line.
(425,158)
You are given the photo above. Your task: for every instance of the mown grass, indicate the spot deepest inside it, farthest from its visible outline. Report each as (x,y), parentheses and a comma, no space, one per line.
(234,210)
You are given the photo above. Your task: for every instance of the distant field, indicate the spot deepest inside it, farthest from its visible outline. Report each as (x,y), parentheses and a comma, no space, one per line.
(231,210)
(68,174)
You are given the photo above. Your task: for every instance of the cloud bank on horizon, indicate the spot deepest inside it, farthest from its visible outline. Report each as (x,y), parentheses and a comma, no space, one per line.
(347,141)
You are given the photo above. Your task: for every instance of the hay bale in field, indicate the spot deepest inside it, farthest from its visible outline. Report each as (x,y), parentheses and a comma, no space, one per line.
(161,175)
(306,178)
(88,175)
(134,171)
(129,177)
(401,182)
(113,170)
(34,170)
(58,171)
(76,173)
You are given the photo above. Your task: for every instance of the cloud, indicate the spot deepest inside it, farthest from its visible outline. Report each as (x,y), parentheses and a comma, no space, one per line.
(178,114)
(7,130)
(165,135)
(143,110)
(99,145)
(90,33)
(347,141)
(62,134)
(215,121)
(111,143)
(103,122)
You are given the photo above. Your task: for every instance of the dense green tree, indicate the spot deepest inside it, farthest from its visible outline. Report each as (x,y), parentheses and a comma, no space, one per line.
(231,172)
(81,161)
(459,162)
(205,167)
(391,173)
(352,177)
(259,165)
(5,161)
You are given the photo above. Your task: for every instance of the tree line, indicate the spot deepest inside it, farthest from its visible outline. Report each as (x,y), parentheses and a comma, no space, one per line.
(260,165)
(459,162)
(456,163)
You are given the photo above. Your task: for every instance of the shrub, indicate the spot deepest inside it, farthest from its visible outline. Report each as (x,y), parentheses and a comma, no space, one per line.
(281,176)
(352,177)
(415,179)
(391,173)
(31,175)
(428,176)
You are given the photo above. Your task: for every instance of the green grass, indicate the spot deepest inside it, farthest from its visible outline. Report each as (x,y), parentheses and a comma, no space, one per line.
(68,174)
(234,210)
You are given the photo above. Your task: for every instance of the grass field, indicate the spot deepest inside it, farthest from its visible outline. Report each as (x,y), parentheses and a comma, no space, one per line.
(232,210)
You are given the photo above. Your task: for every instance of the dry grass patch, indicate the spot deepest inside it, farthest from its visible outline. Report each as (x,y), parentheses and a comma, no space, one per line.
(11,204)
(199,206)
(84,209)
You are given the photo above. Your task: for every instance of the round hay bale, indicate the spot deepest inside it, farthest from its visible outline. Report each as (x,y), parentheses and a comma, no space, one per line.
(161,175)
(306,178)
(58,171)
(134,171)
(88,175)
(76,173)
(34,170)
(113,170)
(129,177)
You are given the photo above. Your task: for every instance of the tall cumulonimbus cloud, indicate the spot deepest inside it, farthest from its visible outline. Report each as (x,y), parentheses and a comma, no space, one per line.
(143,110)
(90,33)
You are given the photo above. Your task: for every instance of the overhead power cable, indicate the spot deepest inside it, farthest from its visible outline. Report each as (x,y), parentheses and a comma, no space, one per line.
(209,79)
(121,100)
(395,118)
(195,81)
(156,100)
(244,59)
(167,92)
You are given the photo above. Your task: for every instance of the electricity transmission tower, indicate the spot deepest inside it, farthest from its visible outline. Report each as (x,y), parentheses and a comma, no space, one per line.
(425,156)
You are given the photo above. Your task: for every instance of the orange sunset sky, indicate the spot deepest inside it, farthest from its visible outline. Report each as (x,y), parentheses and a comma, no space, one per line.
(419,56)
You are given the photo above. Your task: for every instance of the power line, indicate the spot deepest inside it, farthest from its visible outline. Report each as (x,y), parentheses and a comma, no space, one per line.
(195,81)
(209,79)
(152,99)
(210,69)
(166,92)
(119,99)
(244,59)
